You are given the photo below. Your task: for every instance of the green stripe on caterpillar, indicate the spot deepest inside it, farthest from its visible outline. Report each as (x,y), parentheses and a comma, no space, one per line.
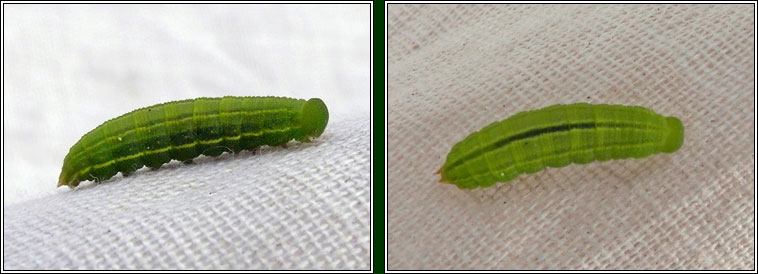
(556,136)
(183,130)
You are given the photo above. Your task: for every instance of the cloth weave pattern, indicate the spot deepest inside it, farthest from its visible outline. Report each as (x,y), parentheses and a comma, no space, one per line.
(453,69)
(302,207)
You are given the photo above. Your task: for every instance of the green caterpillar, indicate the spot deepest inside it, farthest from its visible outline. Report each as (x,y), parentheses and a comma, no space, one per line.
(556,136)
(183,130)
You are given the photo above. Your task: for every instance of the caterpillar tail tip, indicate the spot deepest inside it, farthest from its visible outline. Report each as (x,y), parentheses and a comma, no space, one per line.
(63,183)
(442,179)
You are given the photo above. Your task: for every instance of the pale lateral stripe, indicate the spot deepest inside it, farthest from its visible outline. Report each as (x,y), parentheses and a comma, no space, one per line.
(150,152)
(568,152)
(633,124)
(116,136)
(577,150)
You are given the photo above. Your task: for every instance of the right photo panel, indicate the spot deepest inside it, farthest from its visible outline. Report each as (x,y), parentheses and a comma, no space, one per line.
(570,137)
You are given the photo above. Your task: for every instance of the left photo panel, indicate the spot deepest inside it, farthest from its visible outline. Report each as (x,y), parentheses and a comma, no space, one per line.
(187,136)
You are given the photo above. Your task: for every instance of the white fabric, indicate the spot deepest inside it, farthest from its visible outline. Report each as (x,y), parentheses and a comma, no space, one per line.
(303,207)
(454,69)
(68,68)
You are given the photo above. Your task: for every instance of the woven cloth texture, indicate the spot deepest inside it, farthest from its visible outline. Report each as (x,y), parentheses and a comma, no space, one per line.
(454,69)
(303,207)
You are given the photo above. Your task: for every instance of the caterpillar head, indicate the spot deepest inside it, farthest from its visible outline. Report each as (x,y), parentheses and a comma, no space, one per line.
(674,136)
(313,117)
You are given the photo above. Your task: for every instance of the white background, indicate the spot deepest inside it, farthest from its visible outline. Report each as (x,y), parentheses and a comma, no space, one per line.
(68,68)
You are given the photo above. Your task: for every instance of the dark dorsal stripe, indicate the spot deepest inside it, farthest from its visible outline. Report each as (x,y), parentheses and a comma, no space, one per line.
(537,132)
